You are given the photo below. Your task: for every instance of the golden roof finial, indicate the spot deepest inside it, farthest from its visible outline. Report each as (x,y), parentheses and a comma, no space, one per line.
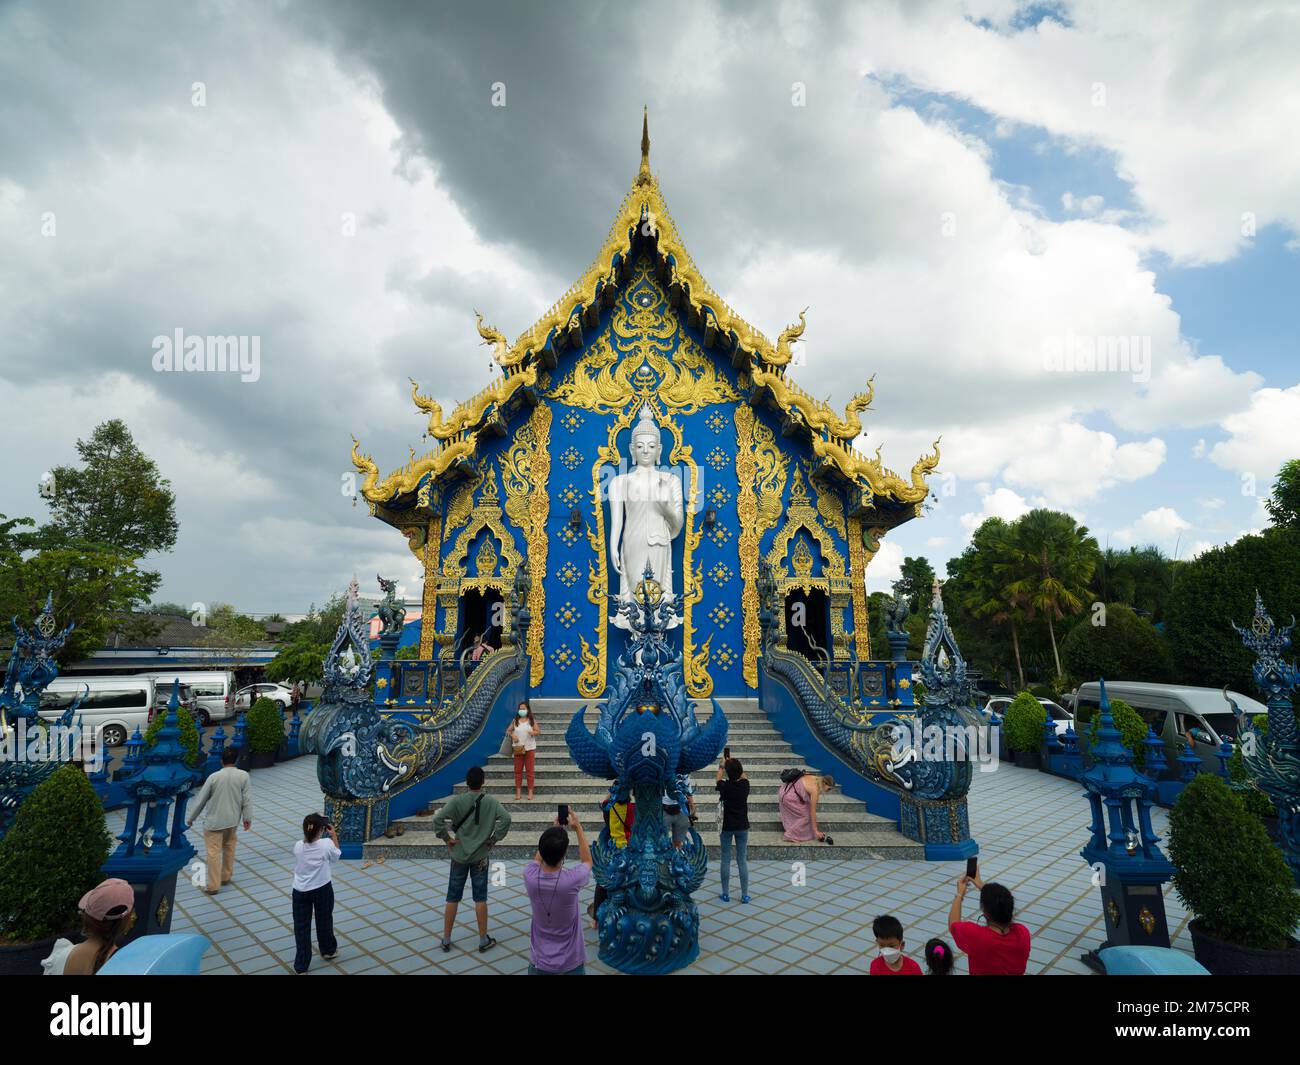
(644,176)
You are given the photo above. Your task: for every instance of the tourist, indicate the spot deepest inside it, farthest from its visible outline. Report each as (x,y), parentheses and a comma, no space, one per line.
(228,797)
(107,914)
(938,957)
(618,822)
(999,947)
(890,959)
(798,803)
(679,816)
(523,733)
(557,946)
(313,890)
(733,796)
(477,823)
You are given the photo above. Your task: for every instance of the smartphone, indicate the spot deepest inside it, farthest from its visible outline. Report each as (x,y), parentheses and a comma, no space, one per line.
(564,813)
(972,864)
(726,753)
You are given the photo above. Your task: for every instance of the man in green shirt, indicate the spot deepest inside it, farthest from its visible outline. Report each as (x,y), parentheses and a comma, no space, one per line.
(470,824)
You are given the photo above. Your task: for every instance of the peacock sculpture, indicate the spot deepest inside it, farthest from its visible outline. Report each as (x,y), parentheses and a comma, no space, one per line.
(646,738)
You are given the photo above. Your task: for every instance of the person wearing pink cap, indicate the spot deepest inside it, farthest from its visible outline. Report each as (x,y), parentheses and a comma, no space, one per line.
(107,914)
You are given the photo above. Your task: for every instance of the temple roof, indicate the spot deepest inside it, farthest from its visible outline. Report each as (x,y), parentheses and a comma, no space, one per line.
(762,365)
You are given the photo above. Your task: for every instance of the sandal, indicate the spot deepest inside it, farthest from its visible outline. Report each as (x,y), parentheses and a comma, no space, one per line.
(483,947)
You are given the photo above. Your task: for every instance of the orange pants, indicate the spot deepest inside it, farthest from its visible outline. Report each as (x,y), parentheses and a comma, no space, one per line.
(522,762)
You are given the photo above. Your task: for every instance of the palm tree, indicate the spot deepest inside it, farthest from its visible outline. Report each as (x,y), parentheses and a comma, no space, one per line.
(986,595)
(1051,561)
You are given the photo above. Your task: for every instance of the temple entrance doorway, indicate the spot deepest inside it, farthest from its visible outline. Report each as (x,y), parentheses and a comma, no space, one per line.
(807,624)
(482,613)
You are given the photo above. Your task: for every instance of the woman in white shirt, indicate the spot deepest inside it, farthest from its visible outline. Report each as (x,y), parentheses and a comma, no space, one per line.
(313,890)
(523,733)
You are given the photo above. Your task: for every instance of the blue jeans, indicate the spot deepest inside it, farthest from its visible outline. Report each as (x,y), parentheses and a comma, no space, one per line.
(533,970)
(476,874)
(742,859)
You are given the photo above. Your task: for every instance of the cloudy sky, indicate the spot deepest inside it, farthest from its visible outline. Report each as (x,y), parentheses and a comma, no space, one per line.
(963,193)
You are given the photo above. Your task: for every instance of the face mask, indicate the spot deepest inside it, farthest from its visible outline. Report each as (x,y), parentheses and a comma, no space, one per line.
(890,953)
(523,713)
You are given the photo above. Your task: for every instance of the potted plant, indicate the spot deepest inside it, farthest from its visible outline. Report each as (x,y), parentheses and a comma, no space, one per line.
(49,858)
(1235,881)
(265,733)
(1245,788)
(1023,726)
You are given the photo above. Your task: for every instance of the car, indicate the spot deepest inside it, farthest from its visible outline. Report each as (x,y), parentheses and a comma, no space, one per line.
(1183,716)
(162,697)
(1061,716)
(279,693)
(213,690)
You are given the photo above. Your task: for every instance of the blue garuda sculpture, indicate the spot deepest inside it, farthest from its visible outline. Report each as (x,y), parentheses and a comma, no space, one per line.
(1273,759)
(31,667)
(364,756)
(647,736)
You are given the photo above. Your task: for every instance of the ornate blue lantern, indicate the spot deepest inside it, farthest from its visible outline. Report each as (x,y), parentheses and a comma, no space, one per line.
(1129,867)
(153,845)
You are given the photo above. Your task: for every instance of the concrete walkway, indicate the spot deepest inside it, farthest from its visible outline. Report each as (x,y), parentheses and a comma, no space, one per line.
(388,916)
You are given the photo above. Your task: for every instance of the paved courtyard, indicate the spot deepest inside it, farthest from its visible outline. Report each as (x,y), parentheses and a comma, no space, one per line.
(388,916)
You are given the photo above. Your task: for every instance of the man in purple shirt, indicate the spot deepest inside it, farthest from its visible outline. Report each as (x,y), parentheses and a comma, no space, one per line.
(557,944)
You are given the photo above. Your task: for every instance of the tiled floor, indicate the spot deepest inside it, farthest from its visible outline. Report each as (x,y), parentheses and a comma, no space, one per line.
(814,919)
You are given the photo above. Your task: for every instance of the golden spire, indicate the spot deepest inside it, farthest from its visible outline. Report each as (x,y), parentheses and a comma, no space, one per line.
(643,177)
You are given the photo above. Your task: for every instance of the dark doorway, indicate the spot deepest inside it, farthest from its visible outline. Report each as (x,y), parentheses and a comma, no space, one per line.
(481,614)
(807,624)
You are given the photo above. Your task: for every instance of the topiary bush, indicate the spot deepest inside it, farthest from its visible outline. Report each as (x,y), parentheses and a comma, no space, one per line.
(189,733)
(265,726)
(1132,730)
(1255,800)
(1228,872)
(51,856)
(1023,723)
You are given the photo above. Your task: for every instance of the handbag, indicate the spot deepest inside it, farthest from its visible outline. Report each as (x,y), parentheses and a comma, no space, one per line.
(507,746)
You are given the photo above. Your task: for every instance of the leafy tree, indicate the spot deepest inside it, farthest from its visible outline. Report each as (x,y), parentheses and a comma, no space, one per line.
(1284,504)
(116,499)
(1218,587)
(169,609)
(921,574)
(302,659)
(982,584)
(1126,647)
(1130,725)
(1052,559)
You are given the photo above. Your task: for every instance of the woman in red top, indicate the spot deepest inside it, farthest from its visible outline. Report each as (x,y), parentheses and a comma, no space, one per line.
(1000,946)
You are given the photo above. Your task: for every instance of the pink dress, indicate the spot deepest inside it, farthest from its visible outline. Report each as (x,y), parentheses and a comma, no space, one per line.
(796,812)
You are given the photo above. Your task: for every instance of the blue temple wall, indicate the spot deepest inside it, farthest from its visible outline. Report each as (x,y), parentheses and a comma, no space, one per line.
(576,435)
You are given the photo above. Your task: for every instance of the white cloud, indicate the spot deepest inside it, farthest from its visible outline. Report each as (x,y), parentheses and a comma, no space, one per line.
(1002,503)
(1071,463)
(1262,437)
(885,567)
(1162,526)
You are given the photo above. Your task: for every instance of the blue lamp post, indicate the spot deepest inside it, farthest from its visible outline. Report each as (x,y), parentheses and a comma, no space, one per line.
(153,844)
(1123,848)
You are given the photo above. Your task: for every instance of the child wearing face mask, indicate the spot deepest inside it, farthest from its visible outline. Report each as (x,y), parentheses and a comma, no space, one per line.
(889,941)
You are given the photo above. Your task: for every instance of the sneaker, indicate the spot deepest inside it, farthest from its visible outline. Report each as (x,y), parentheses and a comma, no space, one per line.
(725,897)
(330,957)
(744,898)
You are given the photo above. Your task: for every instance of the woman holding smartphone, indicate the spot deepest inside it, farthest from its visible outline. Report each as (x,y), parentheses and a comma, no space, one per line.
(313,889)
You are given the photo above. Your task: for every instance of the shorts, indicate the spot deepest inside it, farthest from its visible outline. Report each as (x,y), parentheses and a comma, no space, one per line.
(679,824)
(478,876)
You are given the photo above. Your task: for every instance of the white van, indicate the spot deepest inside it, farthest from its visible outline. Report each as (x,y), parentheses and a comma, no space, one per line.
(213,691)
(1182,716)
(117,705)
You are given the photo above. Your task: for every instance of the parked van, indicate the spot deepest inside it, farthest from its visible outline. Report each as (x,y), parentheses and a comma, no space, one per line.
(117,705)
(213,691)
(1182,716)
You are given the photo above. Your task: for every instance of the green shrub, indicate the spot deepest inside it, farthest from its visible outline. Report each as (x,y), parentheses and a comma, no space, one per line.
(1228,872)
(1126,647)
(51,856)
(1244,788)
(1132,730)
(189,733)
(265,726)
(1023,723)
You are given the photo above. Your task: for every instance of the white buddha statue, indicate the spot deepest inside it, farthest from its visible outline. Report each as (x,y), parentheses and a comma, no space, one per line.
(646,513)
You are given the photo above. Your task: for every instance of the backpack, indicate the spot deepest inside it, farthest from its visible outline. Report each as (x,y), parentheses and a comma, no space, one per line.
(789,776)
